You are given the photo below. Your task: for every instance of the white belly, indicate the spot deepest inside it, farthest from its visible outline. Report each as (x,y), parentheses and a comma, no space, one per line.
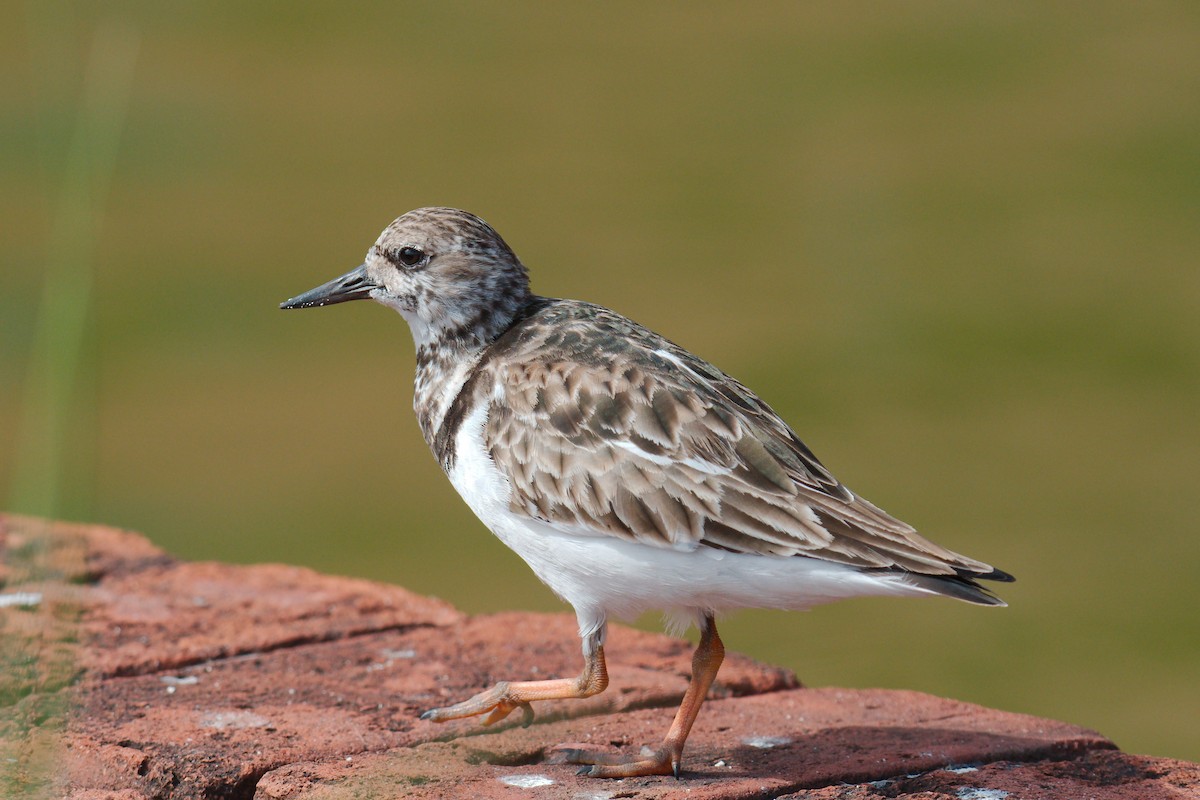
(602,576)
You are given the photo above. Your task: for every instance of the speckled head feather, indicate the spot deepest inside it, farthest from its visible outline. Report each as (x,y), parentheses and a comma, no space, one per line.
(449,274)
(459,286)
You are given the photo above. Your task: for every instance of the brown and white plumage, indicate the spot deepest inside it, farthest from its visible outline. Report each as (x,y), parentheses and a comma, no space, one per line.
(628,473)
(601,426)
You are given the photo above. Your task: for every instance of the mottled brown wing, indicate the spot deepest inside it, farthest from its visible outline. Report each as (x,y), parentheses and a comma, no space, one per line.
(602,426)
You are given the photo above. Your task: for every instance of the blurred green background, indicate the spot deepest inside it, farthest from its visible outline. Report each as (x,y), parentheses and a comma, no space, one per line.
(955,244)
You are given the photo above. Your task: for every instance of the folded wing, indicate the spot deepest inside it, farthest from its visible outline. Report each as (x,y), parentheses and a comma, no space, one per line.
(603,427)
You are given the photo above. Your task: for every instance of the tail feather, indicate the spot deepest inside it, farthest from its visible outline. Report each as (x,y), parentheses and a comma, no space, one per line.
(962,586)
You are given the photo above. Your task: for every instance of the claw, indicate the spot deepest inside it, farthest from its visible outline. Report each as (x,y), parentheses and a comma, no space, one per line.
(496,703)
(565,755)
(505,707)
(600,764)
(503,698)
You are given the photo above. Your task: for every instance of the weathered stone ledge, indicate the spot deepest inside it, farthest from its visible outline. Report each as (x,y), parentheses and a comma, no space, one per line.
(129,674)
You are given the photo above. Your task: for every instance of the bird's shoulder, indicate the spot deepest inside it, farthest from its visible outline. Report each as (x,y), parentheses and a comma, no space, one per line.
(582,367)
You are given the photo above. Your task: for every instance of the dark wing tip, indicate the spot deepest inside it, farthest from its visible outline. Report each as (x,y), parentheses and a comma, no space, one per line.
(994,575)
(960,587)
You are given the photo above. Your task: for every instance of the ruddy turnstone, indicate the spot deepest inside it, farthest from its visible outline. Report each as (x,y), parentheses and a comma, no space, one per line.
(628,473)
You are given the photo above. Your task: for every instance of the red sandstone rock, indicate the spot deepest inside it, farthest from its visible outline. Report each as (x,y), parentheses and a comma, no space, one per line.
(176,614)
(134,675)
(761,746)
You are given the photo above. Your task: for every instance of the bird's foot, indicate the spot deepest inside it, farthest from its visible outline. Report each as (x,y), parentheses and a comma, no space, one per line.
(665,760)
(497,702)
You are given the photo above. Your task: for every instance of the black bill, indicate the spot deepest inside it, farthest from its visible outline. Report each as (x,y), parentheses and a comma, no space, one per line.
(354,285)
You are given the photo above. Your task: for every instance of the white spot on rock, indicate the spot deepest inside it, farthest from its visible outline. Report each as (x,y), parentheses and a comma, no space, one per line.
(179,680)
(526,781)
(233,719)
(20,599)
(766,742)
(974,793)
(389,653)
(962,770)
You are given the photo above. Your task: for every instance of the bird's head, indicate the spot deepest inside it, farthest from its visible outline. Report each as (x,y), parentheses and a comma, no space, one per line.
(446,271)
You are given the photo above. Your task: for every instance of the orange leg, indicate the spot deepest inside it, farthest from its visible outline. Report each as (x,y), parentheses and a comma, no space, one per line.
(505,697)
(666,759)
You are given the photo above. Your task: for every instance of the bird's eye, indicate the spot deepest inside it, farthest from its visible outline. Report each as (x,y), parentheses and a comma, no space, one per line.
(408,256)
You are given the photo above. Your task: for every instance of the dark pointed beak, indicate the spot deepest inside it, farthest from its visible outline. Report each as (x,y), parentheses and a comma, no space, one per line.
(354,285)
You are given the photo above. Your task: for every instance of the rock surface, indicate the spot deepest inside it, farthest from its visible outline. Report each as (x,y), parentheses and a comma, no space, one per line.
(128,674)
